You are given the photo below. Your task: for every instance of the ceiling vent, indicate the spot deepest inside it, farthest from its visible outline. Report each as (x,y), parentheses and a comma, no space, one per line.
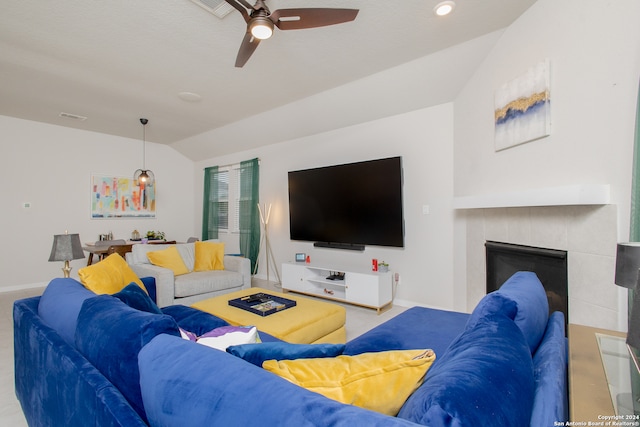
(219,8)
(72,116)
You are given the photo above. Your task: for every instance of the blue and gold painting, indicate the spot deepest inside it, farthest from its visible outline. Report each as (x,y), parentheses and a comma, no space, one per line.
(523,108)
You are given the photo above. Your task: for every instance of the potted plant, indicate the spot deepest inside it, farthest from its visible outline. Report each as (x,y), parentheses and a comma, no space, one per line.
(383,267)
(155,235)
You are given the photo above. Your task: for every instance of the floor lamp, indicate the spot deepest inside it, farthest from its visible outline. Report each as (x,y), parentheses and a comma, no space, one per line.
(264,239)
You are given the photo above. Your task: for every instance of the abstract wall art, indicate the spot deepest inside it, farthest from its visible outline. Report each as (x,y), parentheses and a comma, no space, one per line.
(523,108)
(118,197)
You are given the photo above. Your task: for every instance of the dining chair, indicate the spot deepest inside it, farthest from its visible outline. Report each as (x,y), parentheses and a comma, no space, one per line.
(102,244)
(119,249)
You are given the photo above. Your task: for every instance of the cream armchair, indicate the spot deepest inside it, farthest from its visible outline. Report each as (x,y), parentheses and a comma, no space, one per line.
(194,286)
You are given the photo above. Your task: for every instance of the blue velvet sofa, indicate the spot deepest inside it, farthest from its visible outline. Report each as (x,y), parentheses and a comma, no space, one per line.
(82,359)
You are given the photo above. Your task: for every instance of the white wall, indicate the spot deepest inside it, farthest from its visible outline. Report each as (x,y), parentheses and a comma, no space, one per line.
(50,167)
(594,50)
(424,140)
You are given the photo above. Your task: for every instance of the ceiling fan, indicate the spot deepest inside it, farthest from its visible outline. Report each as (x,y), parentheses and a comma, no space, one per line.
(260,22)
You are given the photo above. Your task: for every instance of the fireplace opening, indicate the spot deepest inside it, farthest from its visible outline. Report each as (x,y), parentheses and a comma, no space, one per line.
(550,265)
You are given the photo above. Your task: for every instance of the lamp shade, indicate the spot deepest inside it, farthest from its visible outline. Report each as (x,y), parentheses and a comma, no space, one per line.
(66,247)
(627,264)
(633,332)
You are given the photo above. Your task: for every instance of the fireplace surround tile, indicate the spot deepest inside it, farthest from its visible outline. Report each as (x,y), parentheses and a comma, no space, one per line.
(594,229)
(549,227)
(591,279)
(588,233)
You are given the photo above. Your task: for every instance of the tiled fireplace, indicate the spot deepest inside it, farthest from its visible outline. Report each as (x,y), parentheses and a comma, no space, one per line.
(588,234)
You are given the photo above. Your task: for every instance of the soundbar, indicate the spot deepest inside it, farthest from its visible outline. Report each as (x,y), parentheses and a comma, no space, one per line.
(333,245)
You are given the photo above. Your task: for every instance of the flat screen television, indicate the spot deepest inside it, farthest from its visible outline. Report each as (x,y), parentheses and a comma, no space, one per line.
(348,206)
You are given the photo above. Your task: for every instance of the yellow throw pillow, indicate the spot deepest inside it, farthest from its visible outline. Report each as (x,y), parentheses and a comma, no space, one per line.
(380,382)
(209,256)
(109,276)
(169,258)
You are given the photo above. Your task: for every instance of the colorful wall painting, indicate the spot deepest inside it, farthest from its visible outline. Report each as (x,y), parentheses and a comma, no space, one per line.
(118,197)
(523,108)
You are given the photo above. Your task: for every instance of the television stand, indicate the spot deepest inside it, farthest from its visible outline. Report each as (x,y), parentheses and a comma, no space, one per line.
(364,288)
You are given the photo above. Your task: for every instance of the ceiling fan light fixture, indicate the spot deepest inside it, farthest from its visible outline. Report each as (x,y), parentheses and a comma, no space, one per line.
(261,27)
(444,8)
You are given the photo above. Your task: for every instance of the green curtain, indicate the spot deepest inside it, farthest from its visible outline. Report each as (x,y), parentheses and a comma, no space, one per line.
(248,210)
(634,236)
(209,204)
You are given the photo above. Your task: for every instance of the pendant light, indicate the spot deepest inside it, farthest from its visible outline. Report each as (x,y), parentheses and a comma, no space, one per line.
(143,176)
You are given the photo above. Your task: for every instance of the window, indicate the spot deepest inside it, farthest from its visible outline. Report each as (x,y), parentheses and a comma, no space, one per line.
(231,206)
(228,204)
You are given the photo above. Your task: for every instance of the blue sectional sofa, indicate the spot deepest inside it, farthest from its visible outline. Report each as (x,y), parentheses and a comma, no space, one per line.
(82,359)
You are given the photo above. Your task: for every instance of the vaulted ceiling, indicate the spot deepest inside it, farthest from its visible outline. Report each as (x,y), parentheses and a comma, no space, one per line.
(172,61)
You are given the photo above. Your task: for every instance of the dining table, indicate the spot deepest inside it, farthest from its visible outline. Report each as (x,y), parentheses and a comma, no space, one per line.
(100,251)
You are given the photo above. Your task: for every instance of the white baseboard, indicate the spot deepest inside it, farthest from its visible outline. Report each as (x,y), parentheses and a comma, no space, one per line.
(22,287)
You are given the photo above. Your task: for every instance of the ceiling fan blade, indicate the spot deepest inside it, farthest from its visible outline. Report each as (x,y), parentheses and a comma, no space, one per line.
(248,46)
(240,9)
(297,19)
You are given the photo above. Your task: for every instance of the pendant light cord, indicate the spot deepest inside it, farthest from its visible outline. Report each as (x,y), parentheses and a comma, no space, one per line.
(144,143)
(144,146)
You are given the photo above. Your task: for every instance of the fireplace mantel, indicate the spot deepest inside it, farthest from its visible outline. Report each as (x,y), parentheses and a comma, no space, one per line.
(591,194)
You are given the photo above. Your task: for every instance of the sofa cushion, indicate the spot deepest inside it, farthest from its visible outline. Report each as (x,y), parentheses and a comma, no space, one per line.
(194,320)
(135,297)
(492,303)
(110,334)
(550,372)
(138,254)
(413,328)
(108,276)
(200,282)
(258,353)
(225,336)
(168,258)
(181,380)
(60,304)
(485,378)
(187,253)
(209,256)
(525,289)
(379,381)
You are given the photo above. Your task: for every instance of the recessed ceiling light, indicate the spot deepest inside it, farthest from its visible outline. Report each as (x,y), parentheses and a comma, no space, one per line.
(190,96)
(444,8)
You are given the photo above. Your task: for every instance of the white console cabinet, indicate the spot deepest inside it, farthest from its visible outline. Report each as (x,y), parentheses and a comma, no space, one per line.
(365,288)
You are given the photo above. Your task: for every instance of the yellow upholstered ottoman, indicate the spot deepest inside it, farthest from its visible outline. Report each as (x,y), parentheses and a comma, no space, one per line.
(309,322)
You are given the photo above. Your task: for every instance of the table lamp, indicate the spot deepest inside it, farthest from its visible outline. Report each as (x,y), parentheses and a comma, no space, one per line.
(65,248)
(627,275)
